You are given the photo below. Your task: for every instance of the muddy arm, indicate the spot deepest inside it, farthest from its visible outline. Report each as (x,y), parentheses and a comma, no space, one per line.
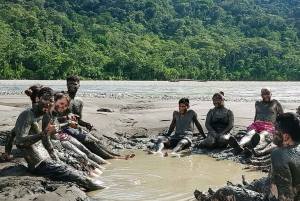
(23,125)
(198,125)
(208,123)
(230,123)
(172,125)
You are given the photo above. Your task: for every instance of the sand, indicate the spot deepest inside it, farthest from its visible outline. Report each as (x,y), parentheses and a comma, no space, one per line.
(127,117)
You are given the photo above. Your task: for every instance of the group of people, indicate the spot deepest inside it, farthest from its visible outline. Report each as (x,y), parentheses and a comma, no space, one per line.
(51,137)
(52,140)
(270,122)
(219,123)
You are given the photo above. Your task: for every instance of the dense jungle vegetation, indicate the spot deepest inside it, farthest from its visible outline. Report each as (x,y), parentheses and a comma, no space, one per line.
(150,39)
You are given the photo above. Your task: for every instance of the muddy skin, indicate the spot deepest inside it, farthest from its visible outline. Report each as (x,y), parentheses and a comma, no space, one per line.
(284,174)
(256,190)
(183,135)
(219,122)
(93,144)
(70,143)
(29,136)
(265,111)
(267,150)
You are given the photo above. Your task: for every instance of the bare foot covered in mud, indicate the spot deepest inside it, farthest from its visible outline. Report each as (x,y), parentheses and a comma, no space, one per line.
(6,157)
(152,152)
(127,157)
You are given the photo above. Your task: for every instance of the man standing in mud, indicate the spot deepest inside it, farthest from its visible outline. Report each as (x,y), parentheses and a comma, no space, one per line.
(266,112)
(37,149)
(184,121)
(284,178)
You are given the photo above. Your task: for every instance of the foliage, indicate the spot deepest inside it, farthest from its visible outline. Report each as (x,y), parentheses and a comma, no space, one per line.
(150,39)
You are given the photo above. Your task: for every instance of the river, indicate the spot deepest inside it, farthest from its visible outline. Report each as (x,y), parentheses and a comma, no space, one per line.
(234,91)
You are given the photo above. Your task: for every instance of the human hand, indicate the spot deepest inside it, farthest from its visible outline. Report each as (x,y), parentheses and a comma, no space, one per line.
(73,124)
(51,129)
(72,117)
(89,126)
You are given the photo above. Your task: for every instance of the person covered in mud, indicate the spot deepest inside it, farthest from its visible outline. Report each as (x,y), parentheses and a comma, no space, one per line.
(35,146)
(74,112)
(66,146)
(219,122)
(266,112)
(284,177)
(184,121)
(32,92)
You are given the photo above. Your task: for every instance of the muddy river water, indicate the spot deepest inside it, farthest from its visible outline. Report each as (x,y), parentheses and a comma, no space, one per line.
(148,177)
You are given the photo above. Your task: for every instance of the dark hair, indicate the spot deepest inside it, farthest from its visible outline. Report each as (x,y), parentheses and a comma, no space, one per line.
(60,95)
(45,91)
(289,123)
(185,101)
(219,95)
(73,77)
(33,91)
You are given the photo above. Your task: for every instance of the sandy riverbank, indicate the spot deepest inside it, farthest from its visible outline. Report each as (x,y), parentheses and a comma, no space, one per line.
(129,117)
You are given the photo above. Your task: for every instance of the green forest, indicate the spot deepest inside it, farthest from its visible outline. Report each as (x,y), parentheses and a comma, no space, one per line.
(150,39)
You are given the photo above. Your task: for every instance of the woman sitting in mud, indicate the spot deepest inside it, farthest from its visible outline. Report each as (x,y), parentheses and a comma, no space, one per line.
(219,122)
(32,92)
(184,121)
(74,112)
(66,146)
(284,178)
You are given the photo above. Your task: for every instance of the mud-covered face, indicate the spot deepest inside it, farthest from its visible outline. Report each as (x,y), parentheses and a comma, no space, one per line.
(277,136)
(183,108)
(217,102)
(73,87)
(45,104)
(266,96)
(61,105)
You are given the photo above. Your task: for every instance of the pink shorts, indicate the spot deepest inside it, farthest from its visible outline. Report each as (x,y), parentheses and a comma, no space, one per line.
(260,126)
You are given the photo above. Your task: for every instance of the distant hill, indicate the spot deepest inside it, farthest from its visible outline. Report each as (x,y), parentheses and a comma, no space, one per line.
(150,39)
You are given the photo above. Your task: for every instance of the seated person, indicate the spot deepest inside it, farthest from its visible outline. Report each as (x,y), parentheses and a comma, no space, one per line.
(64,142)
(74,112)
(184,121)
(32,93)
(41,158)
(219,122)
(284,177)
(266,112)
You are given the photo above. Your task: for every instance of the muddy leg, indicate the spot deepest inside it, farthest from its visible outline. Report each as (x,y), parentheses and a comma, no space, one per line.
(209,142)
(223,140)
(160,145)
(180,146)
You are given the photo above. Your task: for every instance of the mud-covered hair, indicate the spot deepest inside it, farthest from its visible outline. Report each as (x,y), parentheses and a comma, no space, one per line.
(32,92)
(60,95)
(73,77)
(45,91)
(219,95)
(289,123)
(185,101)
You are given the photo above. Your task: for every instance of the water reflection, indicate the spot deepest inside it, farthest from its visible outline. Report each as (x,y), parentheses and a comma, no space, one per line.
(147,177)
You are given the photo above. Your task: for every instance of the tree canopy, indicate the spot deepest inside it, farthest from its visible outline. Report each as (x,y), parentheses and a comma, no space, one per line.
(150,39)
